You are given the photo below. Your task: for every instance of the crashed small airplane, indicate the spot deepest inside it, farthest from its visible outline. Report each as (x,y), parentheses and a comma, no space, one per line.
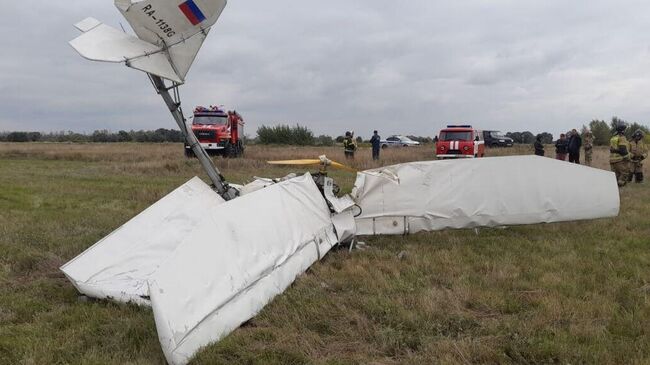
(207,258)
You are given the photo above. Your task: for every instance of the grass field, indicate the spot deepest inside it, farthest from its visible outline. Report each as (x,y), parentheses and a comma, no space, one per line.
(559,293)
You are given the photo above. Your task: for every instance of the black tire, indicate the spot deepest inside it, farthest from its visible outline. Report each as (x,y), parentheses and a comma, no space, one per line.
(240,148)
(227,151)
(188,152)
(384,146)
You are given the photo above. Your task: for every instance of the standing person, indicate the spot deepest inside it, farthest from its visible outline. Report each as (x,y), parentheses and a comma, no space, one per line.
(561,147)
(619,155)
(376,145)
(639,153)
(539,146)
(589,147)
(575,142)
(349,145)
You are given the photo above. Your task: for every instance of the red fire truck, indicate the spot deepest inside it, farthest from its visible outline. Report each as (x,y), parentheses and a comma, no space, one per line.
(460,141)
(219,132)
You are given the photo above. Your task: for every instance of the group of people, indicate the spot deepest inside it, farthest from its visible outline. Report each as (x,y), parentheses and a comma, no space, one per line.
(350,145)
(569,144)
(626,157)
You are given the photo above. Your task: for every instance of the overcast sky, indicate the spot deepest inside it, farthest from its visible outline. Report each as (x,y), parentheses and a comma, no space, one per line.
(405,67)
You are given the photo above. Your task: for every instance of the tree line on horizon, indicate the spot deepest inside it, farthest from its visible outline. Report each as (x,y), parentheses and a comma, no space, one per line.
(283,134)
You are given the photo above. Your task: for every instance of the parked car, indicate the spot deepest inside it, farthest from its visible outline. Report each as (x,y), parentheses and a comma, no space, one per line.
(398,141)
(496,139)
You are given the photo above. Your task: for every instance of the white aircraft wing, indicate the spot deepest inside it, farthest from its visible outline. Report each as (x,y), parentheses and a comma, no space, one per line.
(246,252)
(118,266)
(486,192)
(208,265)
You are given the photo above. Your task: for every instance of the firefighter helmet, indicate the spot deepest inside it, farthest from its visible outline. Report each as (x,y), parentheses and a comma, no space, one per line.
(638,134)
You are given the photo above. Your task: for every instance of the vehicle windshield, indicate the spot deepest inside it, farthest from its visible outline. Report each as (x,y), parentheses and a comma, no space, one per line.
(210,119)
(455,136)
(496,134)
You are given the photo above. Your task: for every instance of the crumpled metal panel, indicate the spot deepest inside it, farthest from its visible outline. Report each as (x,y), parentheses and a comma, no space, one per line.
(237,260)
(484,192)
(118,266)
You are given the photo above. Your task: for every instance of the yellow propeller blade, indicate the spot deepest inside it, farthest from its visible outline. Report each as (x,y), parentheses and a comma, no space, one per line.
(341,166)
(295,162)
(323,161)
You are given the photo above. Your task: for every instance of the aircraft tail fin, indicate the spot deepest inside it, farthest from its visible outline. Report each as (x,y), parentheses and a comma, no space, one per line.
(168,35)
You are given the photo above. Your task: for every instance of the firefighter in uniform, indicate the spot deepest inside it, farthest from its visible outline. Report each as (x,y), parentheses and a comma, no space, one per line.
(639,153)
(619,155)
(349,145)
(588,144)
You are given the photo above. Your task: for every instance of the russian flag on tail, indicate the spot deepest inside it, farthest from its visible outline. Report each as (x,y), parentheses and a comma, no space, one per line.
(192,12)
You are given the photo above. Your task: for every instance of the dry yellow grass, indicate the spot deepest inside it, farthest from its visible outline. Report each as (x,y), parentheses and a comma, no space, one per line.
(167,158)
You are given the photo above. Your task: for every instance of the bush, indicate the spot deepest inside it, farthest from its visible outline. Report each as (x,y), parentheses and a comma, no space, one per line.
(99,136)
(284,134)
(324,140)
(547,138)
(521,137)
(17,137)
(600,131)
(603,131)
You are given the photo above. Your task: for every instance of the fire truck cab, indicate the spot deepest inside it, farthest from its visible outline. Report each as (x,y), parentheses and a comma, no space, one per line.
(460,141)
(219,132)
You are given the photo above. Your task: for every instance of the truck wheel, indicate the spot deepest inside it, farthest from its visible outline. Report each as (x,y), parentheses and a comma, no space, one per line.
(383,147)
(188,152)
(235,152)
(240,149)
(226,152)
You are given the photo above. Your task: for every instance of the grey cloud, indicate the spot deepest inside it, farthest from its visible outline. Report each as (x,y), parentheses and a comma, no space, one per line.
(407,67)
